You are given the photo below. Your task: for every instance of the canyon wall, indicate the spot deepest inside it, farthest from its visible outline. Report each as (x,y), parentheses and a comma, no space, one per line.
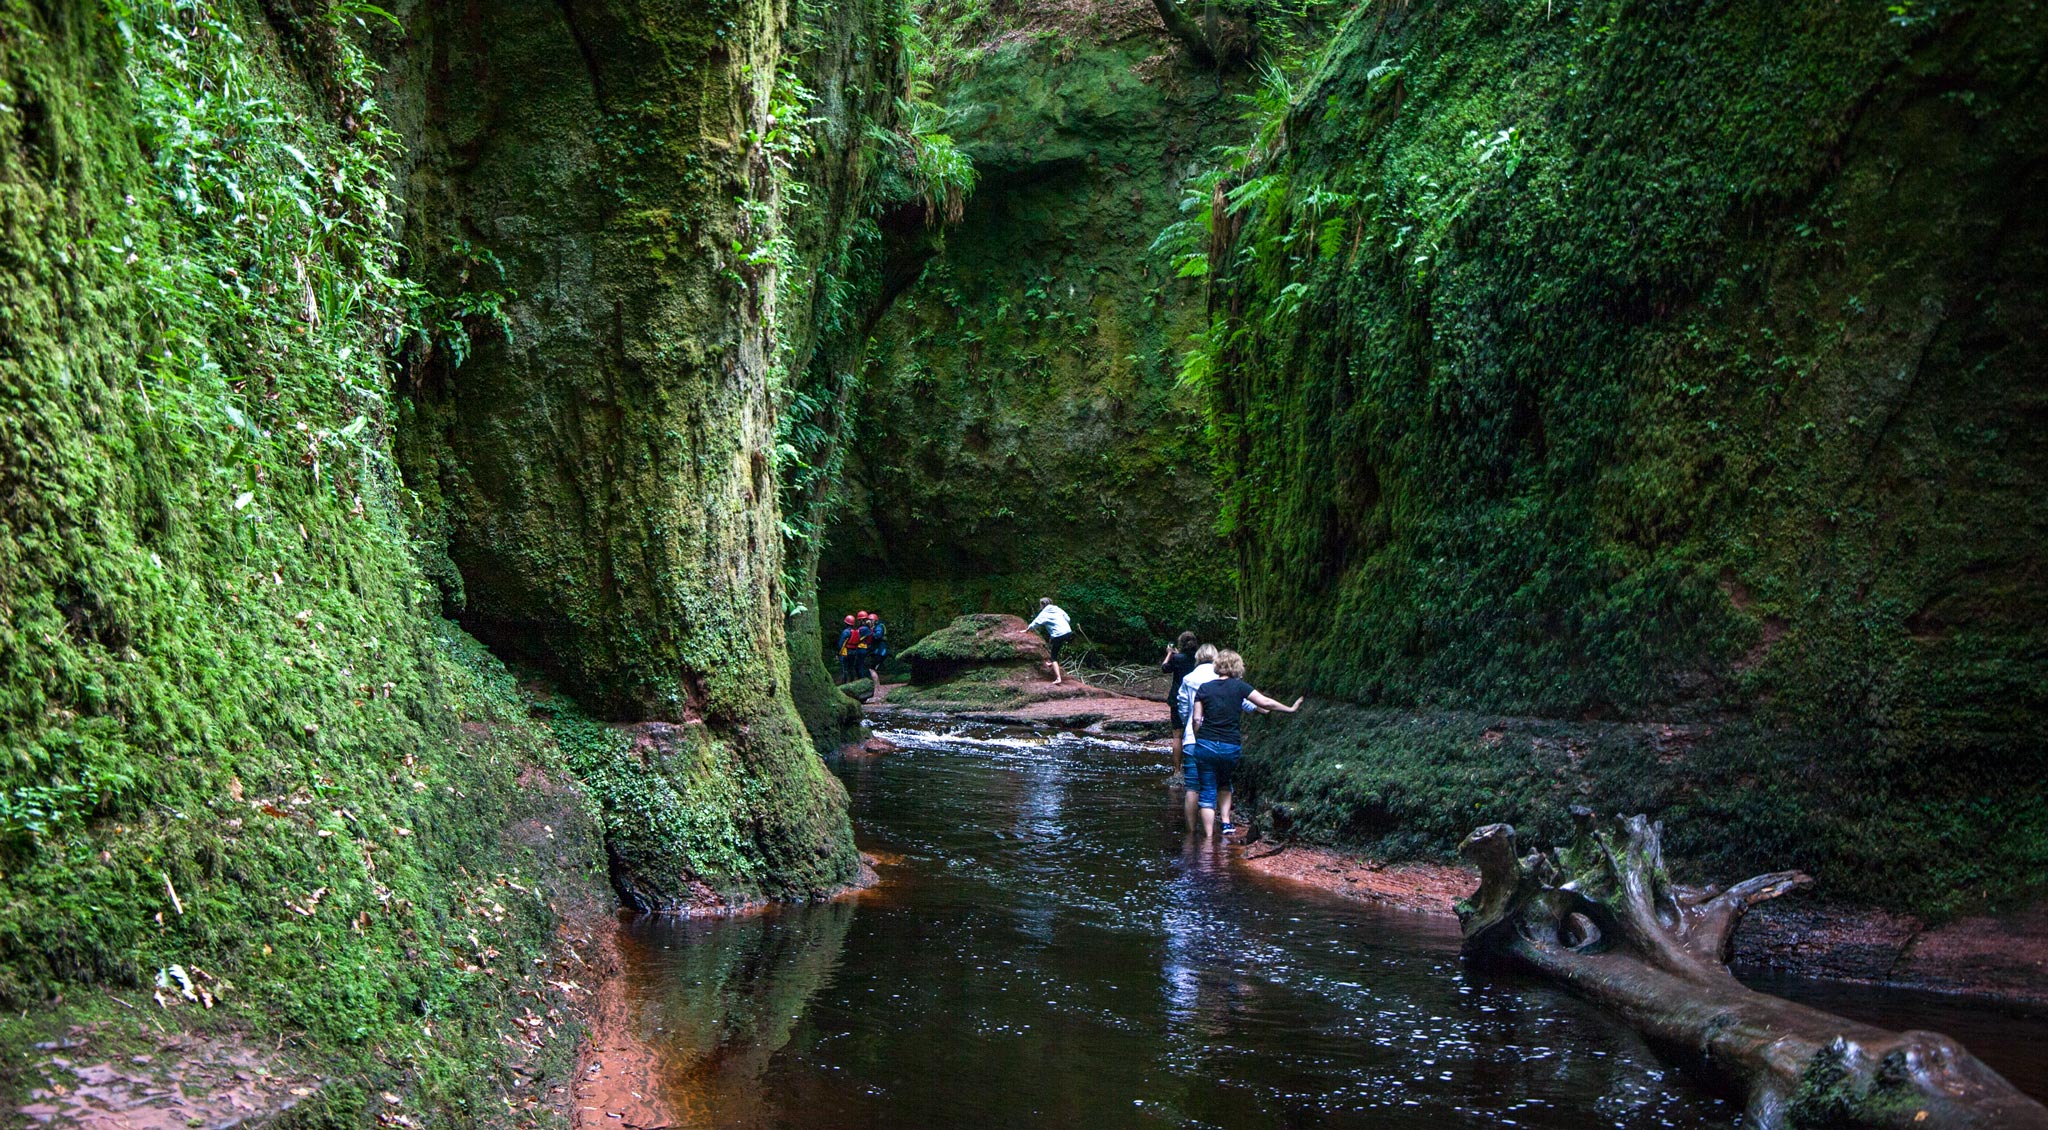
(1640,403)
(1018,430)
(336,341)
(247,766)
(605,468)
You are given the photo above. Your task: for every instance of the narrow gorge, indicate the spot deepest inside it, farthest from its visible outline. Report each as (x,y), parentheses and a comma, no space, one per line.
(439,443)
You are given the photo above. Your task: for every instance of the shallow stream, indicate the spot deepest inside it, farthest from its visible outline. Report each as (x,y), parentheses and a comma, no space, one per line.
(1047,950)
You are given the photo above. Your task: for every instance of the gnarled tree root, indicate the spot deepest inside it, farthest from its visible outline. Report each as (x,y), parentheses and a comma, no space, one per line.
(1603,917)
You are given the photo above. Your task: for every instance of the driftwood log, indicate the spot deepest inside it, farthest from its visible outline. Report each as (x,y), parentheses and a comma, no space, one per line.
(1603,916)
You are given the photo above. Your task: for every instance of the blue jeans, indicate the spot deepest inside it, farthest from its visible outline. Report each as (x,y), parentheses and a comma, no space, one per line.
(1215,764)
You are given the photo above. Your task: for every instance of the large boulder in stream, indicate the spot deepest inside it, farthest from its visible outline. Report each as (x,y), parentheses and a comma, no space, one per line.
(981,640)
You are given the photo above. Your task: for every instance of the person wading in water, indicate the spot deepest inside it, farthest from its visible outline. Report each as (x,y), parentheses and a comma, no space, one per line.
(1205,671)
(1057,627)
(1180,659)
(1219,737)
(1191,782)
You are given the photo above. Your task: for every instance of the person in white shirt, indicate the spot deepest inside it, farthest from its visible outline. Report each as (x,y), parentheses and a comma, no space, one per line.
(1058,626)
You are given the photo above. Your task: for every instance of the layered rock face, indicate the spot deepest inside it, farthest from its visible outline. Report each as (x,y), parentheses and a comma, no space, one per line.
(1018,431)
(1661,364)
(606,469)
(238,736)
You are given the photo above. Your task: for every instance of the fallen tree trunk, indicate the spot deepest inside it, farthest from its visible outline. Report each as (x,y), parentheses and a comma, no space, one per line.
(1603,917)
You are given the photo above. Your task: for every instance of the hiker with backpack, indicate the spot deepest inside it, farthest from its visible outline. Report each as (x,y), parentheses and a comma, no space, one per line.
(878,646)
(851,656)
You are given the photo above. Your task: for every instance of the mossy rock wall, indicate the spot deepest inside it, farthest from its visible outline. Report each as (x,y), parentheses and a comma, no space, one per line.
(605,472)
(235,735)
(1667,362)
(1018,432)
(856,260)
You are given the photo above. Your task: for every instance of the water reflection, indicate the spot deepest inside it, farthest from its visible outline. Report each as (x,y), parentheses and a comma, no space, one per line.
(1047,949)
(720,997)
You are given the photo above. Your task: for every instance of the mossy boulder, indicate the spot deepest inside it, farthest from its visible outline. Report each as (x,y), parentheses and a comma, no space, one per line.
(978,641)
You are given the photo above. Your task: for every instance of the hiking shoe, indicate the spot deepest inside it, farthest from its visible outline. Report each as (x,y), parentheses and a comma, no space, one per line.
(1229,828)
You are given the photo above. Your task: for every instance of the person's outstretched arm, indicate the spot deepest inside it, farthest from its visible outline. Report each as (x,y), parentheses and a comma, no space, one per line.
(1268,703)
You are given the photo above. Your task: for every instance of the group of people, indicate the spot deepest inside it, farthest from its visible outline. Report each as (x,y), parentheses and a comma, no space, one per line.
(863,644)
(1208,697)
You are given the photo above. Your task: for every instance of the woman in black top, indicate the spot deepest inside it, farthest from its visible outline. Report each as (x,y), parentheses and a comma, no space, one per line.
(1219,738)
(1180,659)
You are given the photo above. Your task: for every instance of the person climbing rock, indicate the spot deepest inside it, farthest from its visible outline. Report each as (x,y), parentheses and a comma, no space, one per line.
(1058,626)
(1219,737)
(849,658)
(1180,659)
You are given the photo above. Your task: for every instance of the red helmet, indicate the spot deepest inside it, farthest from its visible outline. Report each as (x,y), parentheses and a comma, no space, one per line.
(849,619)
(864,613)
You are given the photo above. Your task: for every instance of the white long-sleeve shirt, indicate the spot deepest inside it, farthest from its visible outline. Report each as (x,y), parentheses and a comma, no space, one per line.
(1054,618)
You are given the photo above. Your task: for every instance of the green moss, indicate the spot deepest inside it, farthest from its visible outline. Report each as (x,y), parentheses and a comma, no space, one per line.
(829,310)
(607,478)
(981,638)
(234,734)
(980,689)
(1019,432)
(1638,362)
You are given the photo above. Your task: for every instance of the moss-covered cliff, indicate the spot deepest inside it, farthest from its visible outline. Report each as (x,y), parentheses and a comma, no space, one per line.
(1665,362)
(1018,430)
(606,470)
(300,355)
(860,242)
(246,765)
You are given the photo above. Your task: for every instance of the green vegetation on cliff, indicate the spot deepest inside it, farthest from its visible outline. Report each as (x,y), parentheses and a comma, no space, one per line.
(1018,431)
(606,473)
(1611,360)
(246,765)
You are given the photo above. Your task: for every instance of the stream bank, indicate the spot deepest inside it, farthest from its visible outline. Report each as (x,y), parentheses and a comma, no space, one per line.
(1046,949)
(2001,959)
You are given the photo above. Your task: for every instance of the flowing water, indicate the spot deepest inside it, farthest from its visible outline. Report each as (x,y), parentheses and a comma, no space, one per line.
(1046,950)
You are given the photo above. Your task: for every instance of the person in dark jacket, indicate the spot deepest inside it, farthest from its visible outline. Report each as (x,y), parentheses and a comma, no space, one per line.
(1180,659)
(878,647)
(1219,738)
